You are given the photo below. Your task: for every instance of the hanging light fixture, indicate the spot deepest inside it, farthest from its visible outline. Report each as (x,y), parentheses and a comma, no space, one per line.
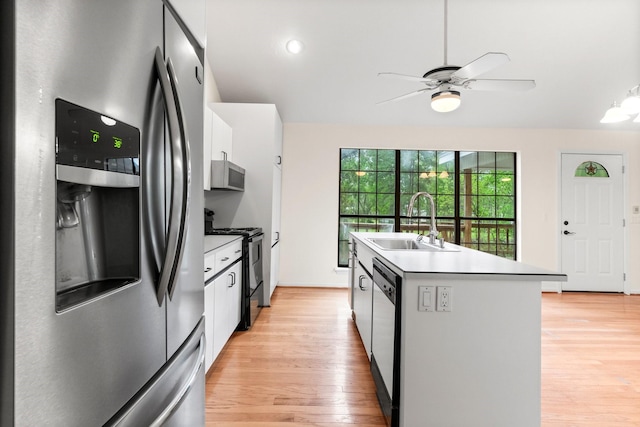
(614,114)
(630,106)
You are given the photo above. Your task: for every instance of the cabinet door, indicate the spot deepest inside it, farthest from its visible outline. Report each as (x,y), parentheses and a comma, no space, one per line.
(234,295)
(362,304)
(221,138)
(221,314)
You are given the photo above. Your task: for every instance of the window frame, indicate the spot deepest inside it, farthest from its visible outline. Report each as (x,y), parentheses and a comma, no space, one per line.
(377,222)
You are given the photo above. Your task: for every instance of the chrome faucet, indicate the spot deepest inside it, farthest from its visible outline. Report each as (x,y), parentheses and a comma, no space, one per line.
(433,232)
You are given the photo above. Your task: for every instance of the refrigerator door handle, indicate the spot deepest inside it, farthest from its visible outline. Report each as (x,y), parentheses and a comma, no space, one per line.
(183,159)
(184,391)
(181,176)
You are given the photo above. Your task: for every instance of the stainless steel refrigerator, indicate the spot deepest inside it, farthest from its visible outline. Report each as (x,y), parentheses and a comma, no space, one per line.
(101,233)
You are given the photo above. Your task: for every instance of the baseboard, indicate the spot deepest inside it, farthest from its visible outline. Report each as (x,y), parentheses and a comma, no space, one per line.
(314,285)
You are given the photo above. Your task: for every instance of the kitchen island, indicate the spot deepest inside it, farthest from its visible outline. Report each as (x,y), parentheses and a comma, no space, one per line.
(456,341)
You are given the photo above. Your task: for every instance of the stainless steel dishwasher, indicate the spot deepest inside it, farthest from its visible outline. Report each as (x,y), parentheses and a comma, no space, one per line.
(385,341)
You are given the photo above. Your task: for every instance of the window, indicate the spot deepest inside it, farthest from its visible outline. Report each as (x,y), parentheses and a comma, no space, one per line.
(474,195)
(591,170)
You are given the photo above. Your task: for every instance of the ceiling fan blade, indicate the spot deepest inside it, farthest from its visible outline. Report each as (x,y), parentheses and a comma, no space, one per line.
(481,65)
(406,95)
(409,78)
(511,85)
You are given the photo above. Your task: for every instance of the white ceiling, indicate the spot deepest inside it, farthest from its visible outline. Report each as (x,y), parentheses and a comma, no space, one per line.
(583,54)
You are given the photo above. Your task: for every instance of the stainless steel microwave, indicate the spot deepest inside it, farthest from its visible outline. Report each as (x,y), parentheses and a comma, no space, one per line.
(226,176)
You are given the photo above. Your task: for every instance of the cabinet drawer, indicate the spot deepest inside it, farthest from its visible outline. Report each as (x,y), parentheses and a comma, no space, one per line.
(209,265)
(227,255)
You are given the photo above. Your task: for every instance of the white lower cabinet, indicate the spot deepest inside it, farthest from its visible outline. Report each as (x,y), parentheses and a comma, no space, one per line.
(222,297)
(362,304)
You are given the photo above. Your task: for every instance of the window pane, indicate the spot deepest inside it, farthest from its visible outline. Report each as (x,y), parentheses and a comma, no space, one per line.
(486,184)
(446,184)
(486,207)
(409,161)
(469,161)
(349,159)
(427,162)
(506,162)
(368,160)
(486,162)
(348,181)
(386,204)
(386,160)
(505,184)
(445,205)
(349,204)
(368,182)
(446,162)
(367,204)
(505,207)
(427,183)
(408,183)
(386,182)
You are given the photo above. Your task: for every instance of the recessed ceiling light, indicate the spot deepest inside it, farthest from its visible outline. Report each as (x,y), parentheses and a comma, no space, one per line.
(294,46)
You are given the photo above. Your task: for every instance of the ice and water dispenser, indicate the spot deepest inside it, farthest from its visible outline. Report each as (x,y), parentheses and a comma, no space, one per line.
(97,205)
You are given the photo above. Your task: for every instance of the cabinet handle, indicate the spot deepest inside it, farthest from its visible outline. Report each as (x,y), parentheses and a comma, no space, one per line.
(238,251)
(360,279)
(233,279)
(208,269)
(278,160)
(225,259)
(277,236)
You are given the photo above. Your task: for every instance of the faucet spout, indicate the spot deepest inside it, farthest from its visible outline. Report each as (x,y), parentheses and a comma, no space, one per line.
(433,232)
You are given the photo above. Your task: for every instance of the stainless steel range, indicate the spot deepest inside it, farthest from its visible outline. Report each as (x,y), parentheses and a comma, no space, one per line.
(252,281)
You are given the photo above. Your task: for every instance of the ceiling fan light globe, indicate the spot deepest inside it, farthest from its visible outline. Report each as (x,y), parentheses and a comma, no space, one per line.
(445,101)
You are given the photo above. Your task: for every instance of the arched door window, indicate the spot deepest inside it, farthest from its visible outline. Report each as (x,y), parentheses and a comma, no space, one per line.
(591,170)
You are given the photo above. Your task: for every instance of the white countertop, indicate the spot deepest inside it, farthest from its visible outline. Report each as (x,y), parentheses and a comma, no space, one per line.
(214,242)
(465,262)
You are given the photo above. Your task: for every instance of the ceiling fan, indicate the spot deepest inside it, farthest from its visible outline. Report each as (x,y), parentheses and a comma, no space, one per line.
(448,80)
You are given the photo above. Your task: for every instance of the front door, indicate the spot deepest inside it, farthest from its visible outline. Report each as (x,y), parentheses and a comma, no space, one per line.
(592,219)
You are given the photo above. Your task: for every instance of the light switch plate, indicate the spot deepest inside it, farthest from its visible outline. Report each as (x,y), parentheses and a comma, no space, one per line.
(426,298)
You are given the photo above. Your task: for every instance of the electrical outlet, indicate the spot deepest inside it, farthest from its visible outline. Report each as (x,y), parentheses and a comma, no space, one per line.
(426,298)
(444,298)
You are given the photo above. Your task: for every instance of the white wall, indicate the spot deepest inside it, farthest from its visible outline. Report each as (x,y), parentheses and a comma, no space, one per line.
(310,188)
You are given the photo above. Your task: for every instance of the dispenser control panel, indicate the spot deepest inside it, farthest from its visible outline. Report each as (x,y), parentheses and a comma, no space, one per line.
(92,140)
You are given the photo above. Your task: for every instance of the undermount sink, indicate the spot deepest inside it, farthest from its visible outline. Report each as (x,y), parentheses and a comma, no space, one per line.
(408,244)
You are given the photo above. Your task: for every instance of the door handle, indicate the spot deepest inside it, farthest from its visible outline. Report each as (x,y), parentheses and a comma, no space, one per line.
(181,176)
(566,232)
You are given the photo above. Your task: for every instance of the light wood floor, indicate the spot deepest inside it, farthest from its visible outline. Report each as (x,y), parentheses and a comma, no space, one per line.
(302,364)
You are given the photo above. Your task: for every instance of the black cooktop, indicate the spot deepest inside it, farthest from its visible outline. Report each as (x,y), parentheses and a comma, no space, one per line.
(242,231)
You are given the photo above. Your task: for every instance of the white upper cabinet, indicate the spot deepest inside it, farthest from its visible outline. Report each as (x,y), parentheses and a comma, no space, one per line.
(193,14)
(218,142)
